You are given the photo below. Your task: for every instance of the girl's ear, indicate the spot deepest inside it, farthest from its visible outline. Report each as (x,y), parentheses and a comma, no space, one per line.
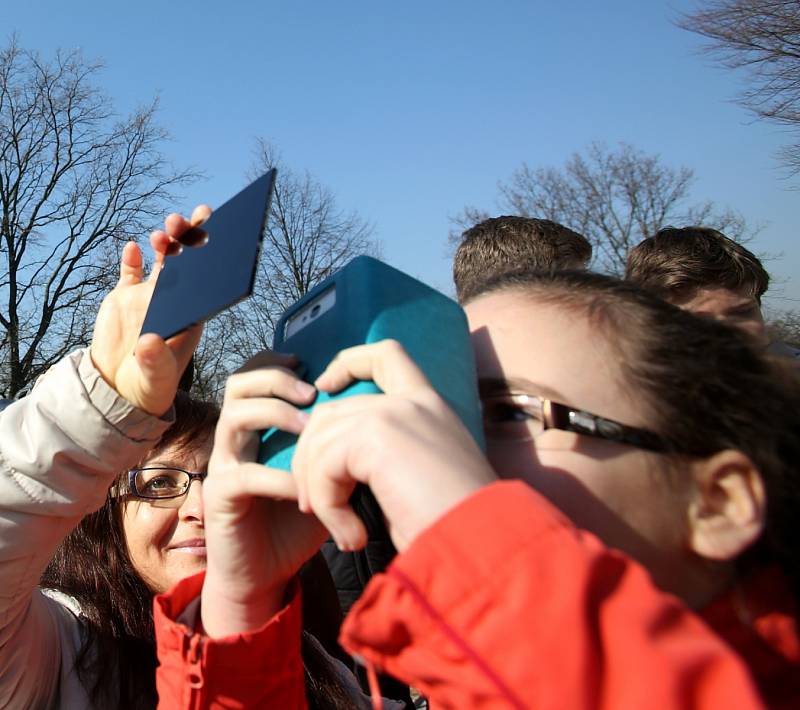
(728,512)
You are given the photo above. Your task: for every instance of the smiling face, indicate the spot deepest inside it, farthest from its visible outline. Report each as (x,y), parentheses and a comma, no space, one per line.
(167,544)
(614,490)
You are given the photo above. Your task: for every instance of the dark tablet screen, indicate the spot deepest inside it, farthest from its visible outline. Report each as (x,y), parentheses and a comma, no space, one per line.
(204,280)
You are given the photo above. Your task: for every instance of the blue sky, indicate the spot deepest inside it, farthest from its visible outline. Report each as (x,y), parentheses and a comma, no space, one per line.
(409,111)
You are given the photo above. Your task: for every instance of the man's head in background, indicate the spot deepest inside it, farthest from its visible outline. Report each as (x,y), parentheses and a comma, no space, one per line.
(503,244)
(703,271)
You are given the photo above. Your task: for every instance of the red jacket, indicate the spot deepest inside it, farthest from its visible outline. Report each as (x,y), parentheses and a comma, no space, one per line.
(504,604)
(262,669)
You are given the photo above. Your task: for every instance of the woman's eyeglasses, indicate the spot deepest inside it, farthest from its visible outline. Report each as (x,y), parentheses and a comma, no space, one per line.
(161,483)
(523,417)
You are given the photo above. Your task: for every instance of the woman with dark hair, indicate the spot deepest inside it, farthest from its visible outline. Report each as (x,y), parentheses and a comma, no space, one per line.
(109,567)
(150,534)
(93,414)
(302,673)
(647,558)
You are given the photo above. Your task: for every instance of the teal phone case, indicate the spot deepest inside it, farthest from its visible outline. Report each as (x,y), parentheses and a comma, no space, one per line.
(374,302)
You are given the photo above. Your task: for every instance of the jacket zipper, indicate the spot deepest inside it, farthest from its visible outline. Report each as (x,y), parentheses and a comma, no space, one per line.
(193,653)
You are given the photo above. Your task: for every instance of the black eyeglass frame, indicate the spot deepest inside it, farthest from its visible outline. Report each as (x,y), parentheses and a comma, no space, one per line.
(555,415)
(134,491)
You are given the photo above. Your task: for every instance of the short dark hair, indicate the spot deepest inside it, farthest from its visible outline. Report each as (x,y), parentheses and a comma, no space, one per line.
(706,388)
(512,243)
(676,262)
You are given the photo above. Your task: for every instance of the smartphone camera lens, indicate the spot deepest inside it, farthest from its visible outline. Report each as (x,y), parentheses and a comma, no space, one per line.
(315,310)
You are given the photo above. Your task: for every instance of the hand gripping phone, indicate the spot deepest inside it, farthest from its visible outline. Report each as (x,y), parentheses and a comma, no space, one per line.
(365,302)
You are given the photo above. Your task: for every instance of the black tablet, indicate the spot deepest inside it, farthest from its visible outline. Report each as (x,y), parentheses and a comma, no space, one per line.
(219,269)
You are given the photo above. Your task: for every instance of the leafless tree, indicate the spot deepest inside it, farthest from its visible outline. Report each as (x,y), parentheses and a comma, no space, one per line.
(307,238)
(614,198)
(761,37)
(75,182)
(784,327)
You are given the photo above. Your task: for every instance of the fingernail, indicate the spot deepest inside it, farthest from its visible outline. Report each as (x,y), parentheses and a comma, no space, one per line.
(304,389)
(303,417)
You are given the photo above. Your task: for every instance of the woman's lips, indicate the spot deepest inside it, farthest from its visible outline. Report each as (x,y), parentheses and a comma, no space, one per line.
(195,546)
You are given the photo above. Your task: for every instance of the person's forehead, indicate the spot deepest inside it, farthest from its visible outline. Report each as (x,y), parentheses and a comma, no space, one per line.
(716,300)
(512,322)
(192,455)
(517,338)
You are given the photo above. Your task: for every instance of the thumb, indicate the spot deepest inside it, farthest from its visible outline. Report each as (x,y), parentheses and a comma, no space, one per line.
(157,373)
(130,265)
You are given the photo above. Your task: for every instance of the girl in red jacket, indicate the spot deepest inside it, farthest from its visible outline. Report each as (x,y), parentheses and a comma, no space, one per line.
(658,452)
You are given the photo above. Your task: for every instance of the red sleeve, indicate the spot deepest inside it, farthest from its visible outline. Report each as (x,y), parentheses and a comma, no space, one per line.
(260,669)
(502,603)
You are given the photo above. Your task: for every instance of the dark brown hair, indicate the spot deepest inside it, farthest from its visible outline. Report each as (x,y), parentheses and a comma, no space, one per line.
(675,263)
(117,662)
(705,387)
(508,243)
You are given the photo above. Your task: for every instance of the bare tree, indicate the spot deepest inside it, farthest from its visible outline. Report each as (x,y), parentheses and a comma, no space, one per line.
(784,327)
(614,198)
(75,181)
(761,37)
(307,238)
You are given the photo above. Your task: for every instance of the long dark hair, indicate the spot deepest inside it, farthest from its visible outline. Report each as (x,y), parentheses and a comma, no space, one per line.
(705,386)
(117,661)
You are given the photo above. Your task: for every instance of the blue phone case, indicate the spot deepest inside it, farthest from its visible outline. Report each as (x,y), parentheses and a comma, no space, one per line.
(374,302)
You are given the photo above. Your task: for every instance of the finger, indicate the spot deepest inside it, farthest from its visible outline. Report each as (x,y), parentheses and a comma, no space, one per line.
(163,245)
(324,489)
(323,478)
(244,416)
(194,235)
(254,479)
(176,224)
(151,347)
(158,375)
(268,358)
(130,270)
(327,426)
(184,343)
(341,427)
(345,527)
(186,232)
(386,363)
(200,214)
(269,382)
(325,415)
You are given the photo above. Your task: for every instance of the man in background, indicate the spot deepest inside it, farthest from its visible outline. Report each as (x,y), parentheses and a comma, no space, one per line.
(703,271)
(509,243)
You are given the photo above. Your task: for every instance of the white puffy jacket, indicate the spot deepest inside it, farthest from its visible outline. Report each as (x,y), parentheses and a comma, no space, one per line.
(60,449)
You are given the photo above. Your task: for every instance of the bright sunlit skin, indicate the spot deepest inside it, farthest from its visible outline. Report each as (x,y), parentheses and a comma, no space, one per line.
(256,541)
(614,490)
(144,370)
(392,442)
(167,544)
(737,310)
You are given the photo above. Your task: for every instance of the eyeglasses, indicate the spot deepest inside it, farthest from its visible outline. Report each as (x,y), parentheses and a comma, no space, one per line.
(523,417)
(161,483)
